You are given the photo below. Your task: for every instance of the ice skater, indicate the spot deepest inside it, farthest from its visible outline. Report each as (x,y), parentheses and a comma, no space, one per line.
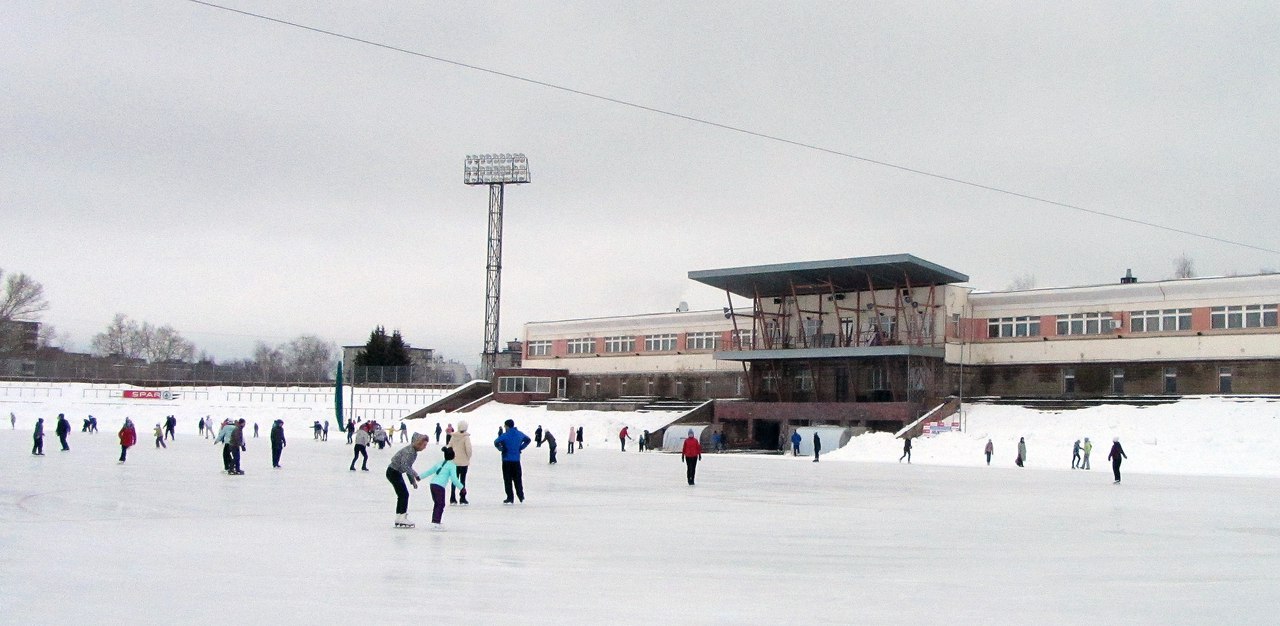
(438,431)
(255,430)
(460,443)
(537,436)
(401,466)
(324,434)
(623,437)
(1088,448)
(989,451)
(362,448)
(817,446)
(1022,451)
(170,424)
(351,430)
(37,438)
(237,446)
(906,450)
(62,429)
(1114,456)
(404,432)
(512,443)
(128,437)
(159,433)
(795,443)
(691,453)
(277,442)
(1075,455)
(13,421)
(580,444)
(443,473)
(551,447)
(571,437)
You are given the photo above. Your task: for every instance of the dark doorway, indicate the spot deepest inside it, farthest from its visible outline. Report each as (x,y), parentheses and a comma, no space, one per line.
(767,435)
(842,385)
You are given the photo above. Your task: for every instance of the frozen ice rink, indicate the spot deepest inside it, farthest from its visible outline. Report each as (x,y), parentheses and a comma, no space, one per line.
(606,537)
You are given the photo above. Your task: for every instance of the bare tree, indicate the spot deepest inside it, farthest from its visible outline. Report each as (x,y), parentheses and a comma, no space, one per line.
(1184,267)
(23,298)
(119,339)
(309,357)
(51,338)
(165,344)
(268,361)
(1023,282)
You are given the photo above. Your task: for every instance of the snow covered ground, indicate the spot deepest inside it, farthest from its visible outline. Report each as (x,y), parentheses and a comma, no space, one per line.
(607,537)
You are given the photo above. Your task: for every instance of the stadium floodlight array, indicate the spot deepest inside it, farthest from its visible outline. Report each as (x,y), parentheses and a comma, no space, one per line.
(489,169)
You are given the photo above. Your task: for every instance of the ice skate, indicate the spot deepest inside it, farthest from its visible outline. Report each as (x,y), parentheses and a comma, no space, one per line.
(402,521)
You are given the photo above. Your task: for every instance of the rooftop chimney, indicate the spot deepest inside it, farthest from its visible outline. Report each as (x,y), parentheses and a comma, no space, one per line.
(1128,278)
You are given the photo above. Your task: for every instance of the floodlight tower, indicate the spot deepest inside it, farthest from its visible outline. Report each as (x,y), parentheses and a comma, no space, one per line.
(496,171)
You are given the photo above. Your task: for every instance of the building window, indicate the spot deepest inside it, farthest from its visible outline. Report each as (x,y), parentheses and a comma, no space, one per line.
(1085,324)
(1224,380)
(770,381)
(1171,380)
(702,341)
(1158,321)
(1025,326)
(619,344)
(539,348)
(1068,380)
(586,345)
(1117,381)
(524,384)
(744,339)
(877,380)
(846,332)
(811,329)
(1246,316)
(804,380)
(660,343)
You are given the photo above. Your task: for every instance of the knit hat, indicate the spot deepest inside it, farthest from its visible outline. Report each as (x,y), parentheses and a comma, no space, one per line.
(418,437)
(462,426)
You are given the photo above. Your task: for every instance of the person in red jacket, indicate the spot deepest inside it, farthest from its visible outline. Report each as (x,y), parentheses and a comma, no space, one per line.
(128,437)
(691,453)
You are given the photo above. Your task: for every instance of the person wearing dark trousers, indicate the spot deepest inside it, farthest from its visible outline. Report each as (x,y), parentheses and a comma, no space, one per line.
(1116,454)
(551,446)
(277,442)
(351,428)
(906,450)
(537,436)
(128,437)
(579,437)
(512,443)
(37,438)
(361,448)
(623,437)
(691,453)
(1075,455)
(572,430)
(989,450)
(401,466)
(62,430)
(795,443)
(440,474)
(817,447)
(460,444)
(169,425)
(237,446)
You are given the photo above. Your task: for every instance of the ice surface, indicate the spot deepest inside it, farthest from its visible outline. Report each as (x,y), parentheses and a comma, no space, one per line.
(607,537)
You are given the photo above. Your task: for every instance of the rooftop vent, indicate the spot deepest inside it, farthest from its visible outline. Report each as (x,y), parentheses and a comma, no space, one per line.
(1128,278)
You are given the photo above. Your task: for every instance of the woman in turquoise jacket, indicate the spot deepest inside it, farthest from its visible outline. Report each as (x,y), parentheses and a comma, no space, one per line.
(443,473)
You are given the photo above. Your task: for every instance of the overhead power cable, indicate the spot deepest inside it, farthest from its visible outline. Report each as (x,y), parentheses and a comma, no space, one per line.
(738,129)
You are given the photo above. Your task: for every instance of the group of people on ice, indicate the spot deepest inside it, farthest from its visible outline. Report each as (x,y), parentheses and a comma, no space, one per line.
(1080,453)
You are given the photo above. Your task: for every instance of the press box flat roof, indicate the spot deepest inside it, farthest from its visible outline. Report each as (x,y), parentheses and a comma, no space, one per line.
(839,275)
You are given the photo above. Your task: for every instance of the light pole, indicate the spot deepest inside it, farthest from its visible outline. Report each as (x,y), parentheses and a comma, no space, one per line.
(496,171)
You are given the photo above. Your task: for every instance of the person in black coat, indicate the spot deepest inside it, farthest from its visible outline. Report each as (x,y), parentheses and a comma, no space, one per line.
(277,442)
(551,445)
(1116,454)
(537,436)
(817,447)
(62,430)
(37,437)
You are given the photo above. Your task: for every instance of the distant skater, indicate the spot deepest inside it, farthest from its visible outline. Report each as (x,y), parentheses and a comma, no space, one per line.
(324,434)
(443,473)
(691,453)
(404,433)
(795,443)
(401,466)
(1114,456)
(351,428)
(63,429)
(170,424)
(537,436)
(572,430)
(990,449)
(817,446)
(551,446)
(906,450)
(277,442)
(200,427)
(1022,451)
(37,438)
(159,433)
(438,432)
(237,446)
(13,421)
(580,444)
(255,430)
(1088,448)
(460,444)
(1075,455)
(623,437)
(128,437)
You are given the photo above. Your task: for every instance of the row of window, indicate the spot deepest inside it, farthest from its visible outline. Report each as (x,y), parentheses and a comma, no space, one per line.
(1170,380)
(1149,321)
(526,384)
(623,344)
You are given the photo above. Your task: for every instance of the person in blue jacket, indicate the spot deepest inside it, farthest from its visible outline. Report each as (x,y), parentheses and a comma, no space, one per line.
(443,473)
(511,443)
(795,443)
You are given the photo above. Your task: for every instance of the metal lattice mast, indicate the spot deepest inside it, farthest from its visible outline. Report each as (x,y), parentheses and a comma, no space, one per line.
(495,170)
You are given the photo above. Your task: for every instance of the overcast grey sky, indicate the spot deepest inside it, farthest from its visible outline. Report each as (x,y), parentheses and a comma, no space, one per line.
(243,180)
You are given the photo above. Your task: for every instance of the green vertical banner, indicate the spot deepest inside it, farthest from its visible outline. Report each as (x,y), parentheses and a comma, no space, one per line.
(337,399)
